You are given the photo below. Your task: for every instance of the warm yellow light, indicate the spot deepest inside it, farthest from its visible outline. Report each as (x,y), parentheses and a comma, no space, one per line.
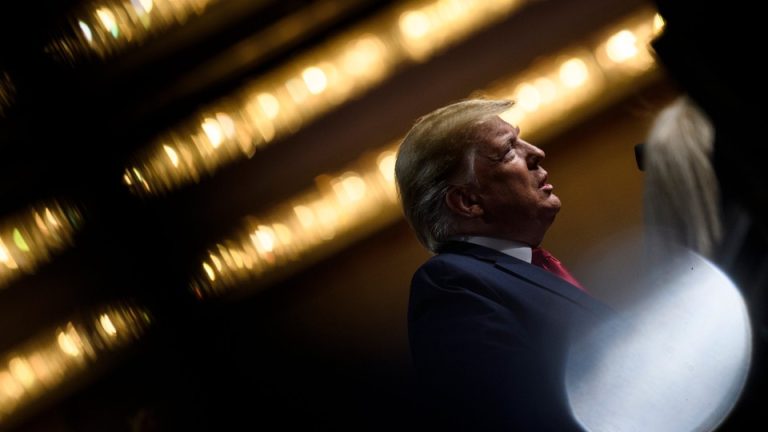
(283,101)
(19,240)
(10,386)
(51,218)
(414,24)
(209,271)
(386,164)
(40,224)
(547,89)
(269,104)
(21,370)
(573,72)
(143,6)
(216,262)
(315,79)
(264,238)
(328,217)
(226,124)
(107,18)
(6,257)
(283,233)
(353,186)
(297,89)
(68,344)
(362,54)
(213,131)
(172,155)
(86,31)
(528,97)
(107,325)
(658,23)
(514,115)
(621,46)
(305,215)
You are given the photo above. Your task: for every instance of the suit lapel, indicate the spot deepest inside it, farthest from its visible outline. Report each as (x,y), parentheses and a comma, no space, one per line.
(532,274)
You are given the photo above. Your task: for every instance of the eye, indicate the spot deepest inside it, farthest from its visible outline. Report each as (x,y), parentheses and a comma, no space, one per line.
(509,151)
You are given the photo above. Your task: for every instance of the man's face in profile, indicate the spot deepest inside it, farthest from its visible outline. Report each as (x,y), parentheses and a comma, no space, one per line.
(512,186)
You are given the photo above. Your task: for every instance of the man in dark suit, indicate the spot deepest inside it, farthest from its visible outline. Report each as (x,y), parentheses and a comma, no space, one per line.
(488,330)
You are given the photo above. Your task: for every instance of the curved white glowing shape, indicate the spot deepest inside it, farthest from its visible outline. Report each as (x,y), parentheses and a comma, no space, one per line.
(676,361)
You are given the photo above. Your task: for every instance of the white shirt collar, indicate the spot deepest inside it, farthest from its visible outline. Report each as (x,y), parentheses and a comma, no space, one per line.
(512,248)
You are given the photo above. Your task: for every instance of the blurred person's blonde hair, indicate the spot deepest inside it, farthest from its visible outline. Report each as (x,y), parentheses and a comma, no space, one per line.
(436,153)
(682,196)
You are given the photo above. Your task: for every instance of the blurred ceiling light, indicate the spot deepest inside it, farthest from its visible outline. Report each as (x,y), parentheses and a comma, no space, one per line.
(282,101)
(622,46)
(142,6)
(658,24)
(362,198)
(56,357)
(32,237)
(573,72)
(414,24)
(580,79)
(107,19)
(107,27)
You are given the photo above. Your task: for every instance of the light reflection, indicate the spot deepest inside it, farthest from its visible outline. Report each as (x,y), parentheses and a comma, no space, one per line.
(21,371)
(263,238)
(86,31)
(315,79)
(107,325)
(386,164)
(546,88)
(142,6)
(269,104)
(414,24)
(107,19)
(573,72)
(67,344)
(172,155)
(18,239)
(105,28)
(59,356)
(680,349)
(622,46)
(213,132)
(32,237)
(305,215)
(528,97)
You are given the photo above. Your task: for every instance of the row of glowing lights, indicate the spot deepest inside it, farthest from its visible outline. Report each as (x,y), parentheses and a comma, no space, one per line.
(52,358)
(334,208)
(34,237)
(578,78)
(111,25)
(279,103)
(310,222)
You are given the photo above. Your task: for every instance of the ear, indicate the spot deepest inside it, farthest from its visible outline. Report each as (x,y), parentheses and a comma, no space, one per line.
(463,202)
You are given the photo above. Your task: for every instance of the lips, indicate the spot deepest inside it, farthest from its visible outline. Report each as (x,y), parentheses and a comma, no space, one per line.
(543,185)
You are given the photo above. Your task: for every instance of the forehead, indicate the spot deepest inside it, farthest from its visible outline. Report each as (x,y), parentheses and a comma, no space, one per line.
(494,131)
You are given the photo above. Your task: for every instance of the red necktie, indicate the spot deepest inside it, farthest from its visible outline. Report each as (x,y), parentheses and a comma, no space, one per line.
(542,258)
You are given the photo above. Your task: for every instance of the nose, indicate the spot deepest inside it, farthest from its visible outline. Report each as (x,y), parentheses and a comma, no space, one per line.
(534,155)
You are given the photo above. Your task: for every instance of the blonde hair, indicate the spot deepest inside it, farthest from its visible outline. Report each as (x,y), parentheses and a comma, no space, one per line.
(436,152)
(682,197)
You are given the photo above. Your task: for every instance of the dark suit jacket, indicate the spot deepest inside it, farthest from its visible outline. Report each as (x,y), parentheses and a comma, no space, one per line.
(489,336)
